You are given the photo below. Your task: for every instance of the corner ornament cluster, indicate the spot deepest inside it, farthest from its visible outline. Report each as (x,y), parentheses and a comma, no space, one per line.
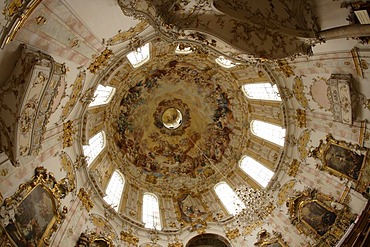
(34,212)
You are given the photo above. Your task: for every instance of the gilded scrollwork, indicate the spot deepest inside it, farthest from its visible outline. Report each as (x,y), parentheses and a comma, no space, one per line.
(285,192)
(298,91)
(126,35)
(100,61)
(28,114)
(68,132)
(129,237)
(85,199)
(67,165)
(302,143)
(20,213)
(103,225)
(293,168)
(92,238)
(183,20)
(344,160)
(76,91)
(40,20)
(247,230)
(178,243)
(16,12)
(265,239)
(285,68)
(301,118)
(232,233)
(319,216)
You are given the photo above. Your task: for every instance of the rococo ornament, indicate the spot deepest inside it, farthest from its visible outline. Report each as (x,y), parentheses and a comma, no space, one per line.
(100,61)
(267,239)
(319,216)
(92,238)
(232,233)
(85,199)
(68,132)
(129,237)
(34,212)
(344,160)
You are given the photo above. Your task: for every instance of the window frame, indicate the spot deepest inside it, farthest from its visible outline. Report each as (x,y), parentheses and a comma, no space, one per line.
(274,91)
(133,55)
(230,206)
(108,99)
(185,51)
(269,136)
(116,191)
(254,176)
(157,223)
(219,60)
(84,147)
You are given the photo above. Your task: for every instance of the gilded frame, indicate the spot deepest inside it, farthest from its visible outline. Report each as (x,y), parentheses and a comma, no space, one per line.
(95,239)
(341,159)
(325,206)
(270,243)
(312,217)
(34,212)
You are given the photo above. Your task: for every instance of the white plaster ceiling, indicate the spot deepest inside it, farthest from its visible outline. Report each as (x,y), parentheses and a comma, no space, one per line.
(104,18)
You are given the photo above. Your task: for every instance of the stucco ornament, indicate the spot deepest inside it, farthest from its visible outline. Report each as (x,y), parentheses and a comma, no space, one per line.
(263,29)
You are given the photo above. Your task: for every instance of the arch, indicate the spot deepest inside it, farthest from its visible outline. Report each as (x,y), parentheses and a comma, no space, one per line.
(114,189)
(96,145)
(268,131)
(150,215)
(102,95)
(208,239)
(140,56)
(262,91)
(228,198)
(254,169)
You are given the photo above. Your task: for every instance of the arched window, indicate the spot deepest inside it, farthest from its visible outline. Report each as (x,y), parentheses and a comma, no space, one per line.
(151,211)
(114,190)
(229,198)
(140,56)
(256,170)
(96,145)
(183,49)
(224,62)
(264,91)
(268,132)
(102,95)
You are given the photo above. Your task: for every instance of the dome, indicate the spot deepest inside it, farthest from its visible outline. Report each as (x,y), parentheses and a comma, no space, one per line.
(193,89)
(184,123)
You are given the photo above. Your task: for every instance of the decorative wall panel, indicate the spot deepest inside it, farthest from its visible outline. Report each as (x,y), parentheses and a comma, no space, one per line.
(29,93)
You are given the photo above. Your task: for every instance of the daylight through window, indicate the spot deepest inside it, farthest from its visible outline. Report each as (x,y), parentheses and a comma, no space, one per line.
(256,170)
(263,91)
(114,190)
(151,211)
(102,95)
(229,198)
(96,145)
(269,132)
(140,56)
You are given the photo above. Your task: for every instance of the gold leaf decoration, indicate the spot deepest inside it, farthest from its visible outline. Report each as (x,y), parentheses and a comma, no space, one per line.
(100,60)
(85,199)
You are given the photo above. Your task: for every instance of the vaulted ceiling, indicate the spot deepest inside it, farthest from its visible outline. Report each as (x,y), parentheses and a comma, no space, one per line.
(180,154)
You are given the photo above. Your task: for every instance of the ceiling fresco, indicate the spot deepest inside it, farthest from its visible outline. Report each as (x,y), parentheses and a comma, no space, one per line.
(209,103)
